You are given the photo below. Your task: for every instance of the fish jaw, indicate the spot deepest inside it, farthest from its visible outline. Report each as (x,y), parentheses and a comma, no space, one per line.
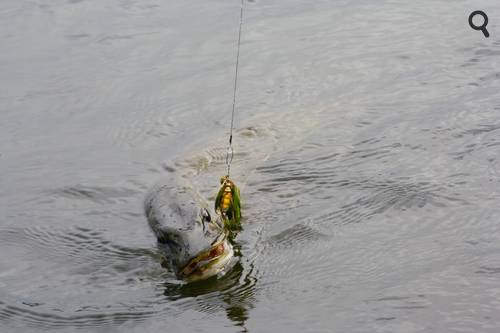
(218,265)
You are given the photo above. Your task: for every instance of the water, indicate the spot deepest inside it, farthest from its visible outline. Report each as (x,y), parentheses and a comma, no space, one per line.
(367,144)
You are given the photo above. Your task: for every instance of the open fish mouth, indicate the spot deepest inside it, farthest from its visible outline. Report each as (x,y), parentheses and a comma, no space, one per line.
(208,263)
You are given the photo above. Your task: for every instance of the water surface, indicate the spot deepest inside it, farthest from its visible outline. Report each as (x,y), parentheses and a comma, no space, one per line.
(367,143)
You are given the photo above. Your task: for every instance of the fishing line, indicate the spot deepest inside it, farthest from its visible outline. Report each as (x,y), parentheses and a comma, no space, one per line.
(230,151)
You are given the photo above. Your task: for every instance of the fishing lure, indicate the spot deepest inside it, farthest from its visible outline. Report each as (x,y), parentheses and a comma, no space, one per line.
(227,203)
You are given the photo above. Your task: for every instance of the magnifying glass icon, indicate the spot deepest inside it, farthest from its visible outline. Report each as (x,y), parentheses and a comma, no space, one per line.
(481,27)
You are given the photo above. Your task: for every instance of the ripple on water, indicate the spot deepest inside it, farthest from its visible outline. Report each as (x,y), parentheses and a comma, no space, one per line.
(382,196)
(84,268)
(55,319)
(96,262)
(99,194)
(294,237)
(359,189)
(79,244)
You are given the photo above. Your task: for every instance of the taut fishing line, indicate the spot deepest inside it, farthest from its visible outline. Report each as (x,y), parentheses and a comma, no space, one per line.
(227,201)
(230,151)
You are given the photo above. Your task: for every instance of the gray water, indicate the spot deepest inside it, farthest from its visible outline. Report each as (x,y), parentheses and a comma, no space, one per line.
(367,143)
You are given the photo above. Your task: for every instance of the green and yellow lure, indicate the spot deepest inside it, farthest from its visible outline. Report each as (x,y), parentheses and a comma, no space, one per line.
(227,204)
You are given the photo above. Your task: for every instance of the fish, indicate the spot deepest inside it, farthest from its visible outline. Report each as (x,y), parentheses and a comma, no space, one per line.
(197,243)
(193,242)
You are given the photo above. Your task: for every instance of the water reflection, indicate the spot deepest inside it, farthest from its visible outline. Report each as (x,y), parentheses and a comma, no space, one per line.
(233,293)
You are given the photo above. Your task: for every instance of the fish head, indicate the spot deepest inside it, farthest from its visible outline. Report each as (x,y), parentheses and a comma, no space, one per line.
(199,250)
